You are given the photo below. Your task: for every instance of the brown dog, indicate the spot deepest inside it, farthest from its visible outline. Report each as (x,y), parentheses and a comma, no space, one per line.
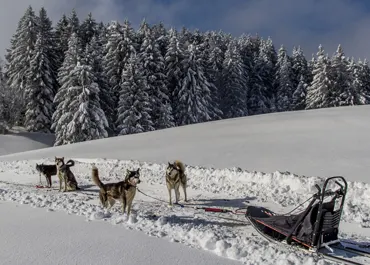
(123,191)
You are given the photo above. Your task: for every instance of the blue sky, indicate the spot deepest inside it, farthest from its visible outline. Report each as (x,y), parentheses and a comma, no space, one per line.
(290,22)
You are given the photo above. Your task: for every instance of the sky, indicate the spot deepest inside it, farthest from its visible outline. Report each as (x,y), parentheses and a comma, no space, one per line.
(307,23)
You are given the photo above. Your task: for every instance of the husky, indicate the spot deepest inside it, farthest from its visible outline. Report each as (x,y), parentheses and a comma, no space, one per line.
(123,191)
(176,177)
(65,174)
(47,171)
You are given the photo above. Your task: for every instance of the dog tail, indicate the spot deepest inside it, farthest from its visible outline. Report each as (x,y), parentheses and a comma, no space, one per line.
(95,177)
(180,165)
(70,163)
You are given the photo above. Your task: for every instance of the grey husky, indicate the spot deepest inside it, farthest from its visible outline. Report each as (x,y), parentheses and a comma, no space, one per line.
(176,177)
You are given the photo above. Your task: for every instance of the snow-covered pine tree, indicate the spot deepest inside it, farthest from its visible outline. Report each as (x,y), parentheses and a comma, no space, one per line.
(194,97)
(319,91)
(23,45)
(173,65)
(234,89)
(299,66)
(74,23)
(88,121)
(265,71)
(203,49)
(93,58)
(102,34)
(3,105)
(61,40)
(88,29)
(299,95)
(120,46)
(47,37)
(154,73)
(283,81)
(161,36)
(361,81)
(133,109)
(62,100)
(214,75)
(343,93)
(301,78)
(39,91)
(140,34)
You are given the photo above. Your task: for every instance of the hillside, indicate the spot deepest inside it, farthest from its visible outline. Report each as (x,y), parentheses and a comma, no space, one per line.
(320,142)
(18,140)
(311,143)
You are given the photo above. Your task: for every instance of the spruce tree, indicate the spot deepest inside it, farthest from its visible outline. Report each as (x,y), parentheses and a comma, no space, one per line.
(49,49)
(88,121)
(62,100)
(174,58)
(342,93)
(61,40)
(3,99)
(234,86)
(154,73)
(361,81)
(319,94)
(299,95)
(23,45)
(283,81)
(93,58)
(265,71)
(39,92)
(193,98)
(301,78)
(88,30)
(134,103)
(120,46)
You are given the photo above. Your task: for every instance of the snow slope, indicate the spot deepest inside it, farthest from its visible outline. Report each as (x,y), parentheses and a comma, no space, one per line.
(228,236)
(18,140)
(315,143)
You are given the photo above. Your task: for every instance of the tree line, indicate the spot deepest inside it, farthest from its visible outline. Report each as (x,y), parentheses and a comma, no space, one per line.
(85,80)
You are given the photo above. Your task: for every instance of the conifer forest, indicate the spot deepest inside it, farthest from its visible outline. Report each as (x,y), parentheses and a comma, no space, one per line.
(81,79)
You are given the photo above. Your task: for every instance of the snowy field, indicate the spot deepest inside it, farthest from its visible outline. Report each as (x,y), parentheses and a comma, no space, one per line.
(332,141)
(321,142)
(17,140)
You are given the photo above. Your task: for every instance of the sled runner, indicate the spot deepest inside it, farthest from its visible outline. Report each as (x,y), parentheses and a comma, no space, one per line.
(315,228)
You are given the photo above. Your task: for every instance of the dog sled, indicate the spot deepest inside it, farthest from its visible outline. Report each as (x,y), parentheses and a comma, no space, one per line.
(314,229)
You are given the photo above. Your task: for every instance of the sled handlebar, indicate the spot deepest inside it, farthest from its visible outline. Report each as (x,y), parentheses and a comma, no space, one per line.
(330,192)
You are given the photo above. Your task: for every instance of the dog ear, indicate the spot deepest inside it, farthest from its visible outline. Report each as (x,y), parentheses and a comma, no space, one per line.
(138,170)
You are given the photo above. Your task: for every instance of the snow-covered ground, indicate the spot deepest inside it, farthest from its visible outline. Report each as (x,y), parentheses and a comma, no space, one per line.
(228,237)
(320,142)
(18,140)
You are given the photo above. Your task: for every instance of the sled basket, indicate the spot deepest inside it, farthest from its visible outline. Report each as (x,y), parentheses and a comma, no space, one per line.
(312,228)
